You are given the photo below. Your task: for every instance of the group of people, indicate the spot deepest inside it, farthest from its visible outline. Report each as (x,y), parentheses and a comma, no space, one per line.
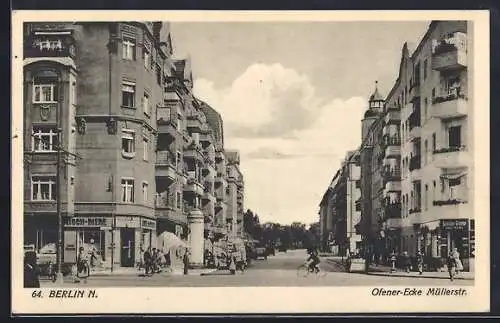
(453,262)
(153,261)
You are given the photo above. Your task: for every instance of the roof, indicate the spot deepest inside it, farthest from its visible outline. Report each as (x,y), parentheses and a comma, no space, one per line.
(214,120)
(376,96)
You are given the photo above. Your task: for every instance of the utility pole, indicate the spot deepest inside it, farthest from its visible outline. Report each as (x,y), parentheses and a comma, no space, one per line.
(59,276)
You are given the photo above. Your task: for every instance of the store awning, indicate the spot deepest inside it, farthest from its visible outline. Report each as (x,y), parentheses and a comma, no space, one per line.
(453,175)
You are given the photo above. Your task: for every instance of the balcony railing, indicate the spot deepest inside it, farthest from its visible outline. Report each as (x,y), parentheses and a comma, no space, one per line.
(50,46)
(450,52)
(392,211)
(448,202)
(451,94)
(164,202)
(391,140)
(392,173)
(415,210)
(164,158)
(415,163)
(449,149)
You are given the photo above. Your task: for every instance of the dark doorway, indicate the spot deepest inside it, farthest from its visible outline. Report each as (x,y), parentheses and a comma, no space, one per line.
(127,247)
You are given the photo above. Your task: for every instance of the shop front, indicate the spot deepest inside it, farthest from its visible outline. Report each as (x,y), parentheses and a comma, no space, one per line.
(130,234)
(438,238)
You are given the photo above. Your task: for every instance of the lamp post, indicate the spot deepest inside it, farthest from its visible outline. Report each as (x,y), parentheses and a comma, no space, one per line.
(59,276)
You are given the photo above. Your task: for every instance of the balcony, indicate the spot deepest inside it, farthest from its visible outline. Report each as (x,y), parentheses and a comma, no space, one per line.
(194,151)
(415,163)
(450,53)
(452,209)
(194,122)
(165,165)
(193,186)
(163,202)
(451,105)
(172,215)
(414,121)
(414,91)
(392,211)
(393,223)
(391,174)
(451,157)
(166,119)
(392,117)
(50,44)
(393,186)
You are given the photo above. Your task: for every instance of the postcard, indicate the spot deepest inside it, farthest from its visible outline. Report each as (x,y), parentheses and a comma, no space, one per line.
(250,162)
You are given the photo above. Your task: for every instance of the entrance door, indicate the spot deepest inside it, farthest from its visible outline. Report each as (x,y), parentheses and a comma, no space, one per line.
(127,247)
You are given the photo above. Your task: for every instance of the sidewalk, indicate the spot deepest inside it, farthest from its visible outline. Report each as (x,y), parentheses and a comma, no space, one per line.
(104,272)
(386,271)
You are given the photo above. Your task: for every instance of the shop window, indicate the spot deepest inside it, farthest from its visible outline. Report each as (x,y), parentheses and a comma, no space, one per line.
(44,138)
(45,90)
(128,143)
(128,49)
(145,191)
(145,103)
(127,190)
(145,149)
(43,188)
(128,94)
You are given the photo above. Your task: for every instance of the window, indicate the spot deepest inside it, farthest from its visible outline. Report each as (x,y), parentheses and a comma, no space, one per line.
(43,188)
(425,68)
(178,159)
(128,142)
(433,142)
(145,191)
(426,197)
(454,187)
(128,190)
(179,200)
(145,103)
(44,138)
(433,93)
(145,149)
(426,148)
(128,94)
(426,104)
(158,74)
(454,136)
(147,58)
(45,90)
(128,49)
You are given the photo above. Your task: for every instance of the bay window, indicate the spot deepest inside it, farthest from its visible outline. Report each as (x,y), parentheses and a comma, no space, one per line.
(43,188)
(45,90)
(44,139)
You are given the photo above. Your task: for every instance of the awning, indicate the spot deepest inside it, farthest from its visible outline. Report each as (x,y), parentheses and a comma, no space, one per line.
(452,175)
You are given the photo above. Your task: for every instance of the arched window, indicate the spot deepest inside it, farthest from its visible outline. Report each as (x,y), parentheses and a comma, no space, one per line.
(45,87)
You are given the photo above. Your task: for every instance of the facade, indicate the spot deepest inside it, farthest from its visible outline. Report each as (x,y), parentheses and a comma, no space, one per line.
(139,154)
(340,208)
(437,146)
(235,194)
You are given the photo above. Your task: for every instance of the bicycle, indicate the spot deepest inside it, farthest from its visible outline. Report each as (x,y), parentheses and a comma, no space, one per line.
(305,269)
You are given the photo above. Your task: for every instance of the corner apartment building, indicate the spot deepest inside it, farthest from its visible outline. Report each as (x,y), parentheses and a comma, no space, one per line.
(140,155)
(90,97)
(437,145)
(235,194)
(340,208)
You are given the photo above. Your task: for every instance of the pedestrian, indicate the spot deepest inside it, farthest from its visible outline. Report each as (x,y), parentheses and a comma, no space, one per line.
(406,261)
(452,265)
(420,262)
(458,262)
(147,261)
(186,261)
(31,271)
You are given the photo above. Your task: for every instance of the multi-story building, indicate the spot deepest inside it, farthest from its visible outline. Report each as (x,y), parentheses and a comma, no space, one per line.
(437,146)
(139,154)
(91,91)
(371,161)
(235,194)
(340,208)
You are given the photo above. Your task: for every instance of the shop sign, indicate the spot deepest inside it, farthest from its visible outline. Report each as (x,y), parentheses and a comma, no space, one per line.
(126,222)
(87,222)
(454,224)
(148,224)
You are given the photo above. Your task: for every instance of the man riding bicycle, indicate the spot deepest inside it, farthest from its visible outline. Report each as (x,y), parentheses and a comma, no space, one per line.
(314,259)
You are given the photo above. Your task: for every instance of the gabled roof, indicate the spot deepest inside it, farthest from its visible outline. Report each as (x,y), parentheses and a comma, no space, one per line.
(376,96)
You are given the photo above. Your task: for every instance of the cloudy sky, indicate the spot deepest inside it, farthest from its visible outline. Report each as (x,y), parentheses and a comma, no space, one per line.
(292,95)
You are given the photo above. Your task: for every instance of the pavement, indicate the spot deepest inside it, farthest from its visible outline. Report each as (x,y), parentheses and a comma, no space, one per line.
(277,271)
(386,271)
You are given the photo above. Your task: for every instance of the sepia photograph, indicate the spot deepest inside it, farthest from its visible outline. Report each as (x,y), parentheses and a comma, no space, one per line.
(199,155)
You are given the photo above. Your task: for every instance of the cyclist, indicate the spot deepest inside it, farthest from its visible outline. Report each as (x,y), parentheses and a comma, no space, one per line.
(314,259)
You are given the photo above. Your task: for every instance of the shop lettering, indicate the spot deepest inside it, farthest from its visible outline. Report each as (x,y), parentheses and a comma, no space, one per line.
(86,222)
(454,224)
(148,224)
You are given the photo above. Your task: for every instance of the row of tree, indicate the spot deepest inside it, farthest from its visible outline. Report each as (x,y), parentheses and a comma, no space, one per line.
(296,235)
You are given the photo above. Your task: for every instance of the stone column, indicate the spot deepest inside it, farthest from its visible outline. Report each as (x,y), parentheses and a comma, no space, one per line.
(196,240)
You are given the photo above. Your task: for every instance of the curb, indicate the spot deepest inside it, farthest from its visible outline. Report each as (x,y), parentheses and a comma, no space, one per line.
(416,276)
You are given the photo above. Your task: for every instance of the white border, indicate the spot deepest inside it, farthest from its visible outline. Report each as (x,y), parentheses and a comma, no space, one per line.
(260,299)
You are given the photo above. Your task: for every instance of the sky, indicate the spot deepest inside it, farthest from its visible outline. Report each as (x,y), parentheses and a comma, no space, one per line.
(292,95)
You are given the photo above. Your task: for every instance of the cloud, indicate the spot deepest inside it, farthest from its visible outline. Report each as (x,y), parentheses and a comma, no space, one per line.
(291,141)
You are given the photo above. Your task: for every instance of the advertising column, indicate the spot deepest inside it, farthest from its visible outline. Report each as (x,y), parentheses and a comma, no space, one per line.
(196,240)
